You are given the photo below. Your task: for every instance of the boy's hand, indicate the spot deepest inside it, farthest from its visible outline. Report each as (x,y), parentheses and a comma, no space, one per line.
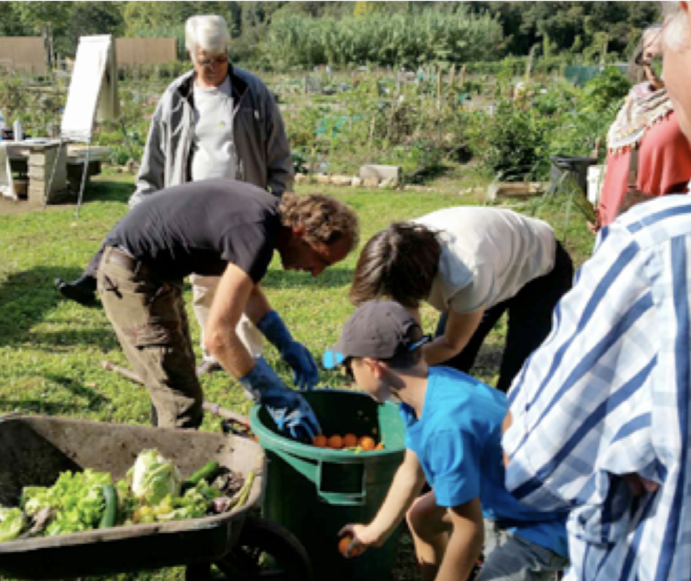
(363,537)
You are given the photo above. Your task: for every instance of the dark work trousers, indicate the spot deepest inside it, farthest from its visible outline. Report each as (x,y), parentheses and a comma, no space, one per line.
(530,321)
(92,268)
(150,321)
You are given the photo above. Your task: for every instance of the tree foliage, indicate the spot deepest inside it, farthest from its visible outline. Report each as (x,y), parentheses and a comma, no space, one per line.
(554,27)
(527,23)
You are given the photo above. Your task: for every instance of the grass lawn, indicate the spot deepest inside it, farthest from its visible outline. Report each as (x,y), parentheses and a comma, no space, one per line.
(50,349)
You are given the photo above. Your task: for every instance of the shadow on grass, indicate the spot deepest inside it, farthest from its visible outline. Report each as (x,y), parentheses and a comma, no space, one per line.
(37,406)
(288,279)
(65,341)
(430,173)
(27,297)
(102,191)
(94,399)
(489,358)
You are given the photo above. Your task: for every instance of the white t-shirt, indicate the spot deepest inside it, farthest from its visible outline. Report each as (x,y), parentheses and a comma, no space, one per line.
(487,256)
(214,154)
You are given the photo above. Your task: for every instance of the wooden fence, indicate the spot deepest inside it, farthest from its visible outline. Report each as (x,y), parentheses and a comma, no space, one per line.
(145,51)
(23,53)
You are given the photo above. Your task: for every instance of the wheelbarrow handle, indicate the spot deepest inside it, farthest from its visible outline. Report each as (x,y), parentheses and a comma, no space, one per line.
(226,414)
(212,408)
(131,375)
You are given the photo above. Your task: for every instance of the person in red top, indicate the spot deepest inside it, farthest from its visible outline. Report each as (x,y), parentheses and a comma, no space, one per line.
(647,152)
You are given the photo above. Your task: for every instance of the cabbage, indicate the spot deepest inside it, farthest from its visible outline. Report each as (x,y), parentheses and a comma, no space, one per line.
(12,523)
(153,478)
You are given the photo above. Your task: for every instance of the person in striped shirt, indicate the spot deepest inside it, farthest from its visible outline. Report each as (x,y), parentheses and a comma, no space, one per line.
(599,415)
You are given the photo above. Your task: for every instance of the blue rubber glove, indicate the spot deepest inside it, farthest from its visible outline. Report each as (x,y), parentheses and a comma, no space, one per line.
(289,409)
(305,371)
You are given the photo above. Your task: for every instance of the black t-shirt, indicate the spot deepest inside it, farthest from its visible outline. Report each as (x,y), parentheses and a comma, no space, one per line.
(199,227)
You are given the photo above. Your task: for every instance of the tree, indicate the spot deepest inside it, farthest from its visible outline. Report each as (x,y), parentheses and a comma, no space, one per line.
(10,21)
(140,16)
(88,18)
(45,18)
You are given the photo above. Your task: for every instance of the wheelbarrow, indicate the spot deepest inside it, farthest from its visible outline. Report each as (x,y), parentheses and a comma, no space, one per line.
(35,449)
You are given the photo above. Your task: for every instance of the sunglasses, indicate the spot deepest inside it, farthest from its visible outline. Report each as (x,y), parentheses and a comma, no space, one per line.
(211,63)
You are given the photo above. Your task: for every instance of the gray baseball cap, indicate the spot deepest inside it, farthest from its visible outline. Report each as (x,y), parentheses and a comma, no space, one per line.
(377,329)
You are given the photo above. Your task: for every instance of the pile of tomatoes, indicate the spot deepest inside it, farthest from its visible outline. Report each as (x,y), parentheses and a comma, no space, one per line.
(338,442)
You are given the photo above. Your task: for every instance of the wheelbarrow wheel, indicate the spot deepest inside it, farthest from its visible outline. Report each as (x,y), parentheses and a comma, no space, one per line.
(265,550)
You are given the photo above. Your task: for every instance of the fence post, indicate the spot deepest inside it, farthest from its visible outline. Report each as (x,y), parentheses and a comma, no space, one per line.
(529,63)
(439,87)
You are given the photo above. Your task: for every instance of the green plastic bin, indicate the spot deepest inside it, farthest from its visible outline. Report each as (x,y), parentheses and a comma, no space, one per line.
(314,491)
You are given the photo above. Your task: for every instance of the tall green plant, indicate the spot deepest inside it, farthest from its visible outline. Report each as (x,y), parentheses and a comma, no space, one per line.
(398,39)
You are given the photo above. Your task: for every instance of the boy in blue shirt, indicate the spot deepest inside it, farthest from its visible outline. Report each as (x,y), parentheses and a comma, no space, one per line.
(453,440)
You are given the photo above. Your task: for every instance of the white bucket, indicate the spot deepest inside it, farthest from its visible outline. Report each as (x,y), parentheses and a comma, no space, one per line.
(596,179)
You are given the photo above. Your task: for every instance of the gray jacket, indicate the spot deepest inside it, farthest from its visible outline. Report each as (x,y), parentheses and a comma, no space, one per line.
(261,143)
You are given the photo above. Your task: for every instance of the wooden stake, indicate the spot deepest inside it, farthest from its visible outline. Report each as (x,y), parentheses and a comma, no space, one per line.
(529,64)
(439,88)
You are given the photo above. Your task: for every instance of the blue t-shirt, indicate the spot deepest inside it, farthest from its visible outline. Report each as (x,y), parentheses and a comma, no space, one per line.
(458,443)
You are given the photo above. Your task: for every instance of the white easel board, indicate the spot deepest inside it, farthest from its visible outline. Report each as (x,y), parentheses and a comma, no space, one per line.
(93,88)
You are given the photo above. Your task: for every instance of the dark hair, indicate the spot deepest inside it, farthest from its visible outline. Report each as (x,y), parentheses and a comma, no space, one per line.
(399,263)
(404,358)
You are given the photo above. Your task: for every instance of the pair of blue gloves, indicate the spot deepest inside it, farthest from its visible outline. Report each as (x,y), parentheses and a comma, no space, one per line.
(288,409)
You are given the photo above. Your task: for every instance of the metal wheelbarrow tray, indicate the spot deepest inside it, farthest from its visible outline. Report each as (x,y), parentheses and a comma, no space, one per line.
(35,449)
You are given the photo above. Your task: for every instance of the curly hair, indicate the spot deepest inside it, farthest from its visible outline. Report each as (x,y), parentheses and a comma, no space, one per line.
(324,220)
(400,263)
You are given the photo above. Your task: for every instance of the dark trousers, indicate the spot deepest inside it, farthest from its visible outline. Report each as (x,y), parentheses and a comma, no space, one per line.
(92,267)
(530,321)
(150,321)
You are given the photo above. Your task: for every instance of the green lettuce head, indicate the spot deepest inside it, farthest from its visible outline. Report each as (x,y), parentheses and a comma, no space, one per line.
(153,477)
(12,523)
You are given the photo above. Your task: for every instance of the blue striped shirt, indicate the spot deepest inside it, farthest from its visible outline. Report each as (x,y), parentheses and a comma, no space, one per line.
(607,395)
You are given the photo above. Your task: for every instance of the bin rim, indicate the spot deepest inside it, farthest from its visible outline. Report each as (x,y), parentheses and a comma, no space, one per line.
(268,437)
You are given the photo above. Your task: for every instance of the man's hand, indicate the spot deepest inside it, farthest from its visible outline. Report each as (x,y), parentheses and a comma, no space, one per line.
(305,371)
(293,414)
(288,409)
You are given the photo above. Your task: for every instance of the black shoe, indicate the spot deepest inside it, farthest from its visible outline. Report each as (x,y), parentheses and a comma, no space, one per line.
(208,366)
(82,290)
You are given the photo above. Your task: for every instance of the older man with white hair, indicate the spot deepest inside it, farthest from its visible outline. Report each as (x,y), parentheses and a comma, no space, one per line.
(600,416)
(216,121)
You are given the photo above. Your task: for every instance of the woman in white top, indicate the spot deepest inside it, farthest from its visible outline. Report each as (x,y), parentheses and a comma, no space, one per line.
(472,264)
